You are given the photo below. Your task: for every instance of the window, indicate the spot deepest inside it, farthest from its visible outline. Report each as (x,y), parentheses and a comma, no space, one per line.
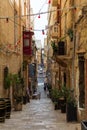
(55,29)
(26,42)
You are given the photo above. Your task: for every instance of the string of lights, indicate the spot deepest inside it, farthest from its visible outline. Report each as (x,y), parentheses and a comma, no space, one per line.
(69,8)
(10,18)
(39,12)
(63,15)
(41,9)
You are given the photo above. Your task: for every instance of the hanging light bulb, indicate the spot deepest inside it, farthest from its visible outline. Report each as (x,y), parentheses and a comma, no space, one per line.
(30,28)
(39,16)
(7,20)
(15,46)
(75,9)
(49,1)
(18,42)
(43,32)
(9,45)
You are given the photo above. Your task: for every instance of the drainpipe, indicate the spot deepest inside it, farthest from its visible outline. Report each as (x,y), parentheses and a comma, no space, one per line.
(20,31)
(73,53)
(60,18)
(60,37)
(14,24)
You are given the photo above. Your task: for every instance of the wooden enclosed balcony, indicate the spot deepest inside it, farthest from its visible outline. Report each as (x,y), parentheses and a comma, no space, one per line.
(27,42)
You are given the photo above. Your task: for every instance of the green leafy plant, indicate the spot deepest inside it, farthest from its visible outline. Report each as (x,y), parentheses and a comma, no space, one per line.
(16,79)
(24,65)
(49,87)
(55,47)
(8,81)
(55,94)
(68,94)
(17,83)
(70,33)
(71,99)
(64,91)
(18,99)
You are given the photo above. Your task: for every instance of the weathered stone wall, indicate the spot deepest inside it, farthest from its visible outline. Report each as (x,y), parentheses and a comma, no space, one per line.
(81,32)
(68,20)
(9,51)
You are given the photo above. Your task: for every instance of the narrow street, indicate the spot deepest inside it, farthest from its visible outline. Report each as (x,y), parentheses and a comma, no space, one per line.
(39,114)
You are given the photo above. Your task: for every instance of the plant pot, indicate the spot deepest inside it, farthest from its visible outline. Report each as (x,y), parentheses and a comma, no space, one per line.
(8,107)
(84,125)
(2,110)
(71,112)
(18,107)
(24,99)
(56,106)
(63,105)
(63,108)
(59,104)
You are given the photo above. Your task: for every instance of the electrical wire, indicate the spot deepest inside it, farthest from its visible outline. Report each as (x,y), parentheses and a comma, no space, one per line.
(73,7)
(69,8)
(10,18)
(40,10)
(63,15)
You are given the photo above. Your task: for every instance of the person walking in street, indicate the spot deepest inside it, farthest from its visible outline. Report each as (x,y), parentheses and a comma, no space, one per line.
(45,84)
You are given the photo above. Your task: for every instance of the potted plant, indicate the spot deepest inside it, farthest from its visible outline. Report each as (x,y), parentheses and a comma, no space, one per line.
(62,98)
(56,105)
(71,107)
(18,92)
(70,33)
(55,98)
(7,78)
(68,103)
(18,103)
(54,47)
(7,81)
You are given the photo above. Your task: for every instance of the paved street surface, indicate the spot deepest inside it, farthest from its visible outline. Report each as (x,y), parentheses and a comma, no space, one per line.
(38,115)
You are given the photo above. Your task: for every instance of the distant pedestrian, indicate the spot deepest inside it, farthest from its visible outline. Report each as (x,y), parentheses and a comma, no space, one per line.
(39,96)
(47,93)
(27,95)
(45,84)
(45,87)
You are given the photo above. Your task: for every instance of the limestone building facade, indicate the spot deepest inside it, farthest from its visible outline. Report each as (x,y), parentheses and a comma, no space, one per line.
(69,66)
